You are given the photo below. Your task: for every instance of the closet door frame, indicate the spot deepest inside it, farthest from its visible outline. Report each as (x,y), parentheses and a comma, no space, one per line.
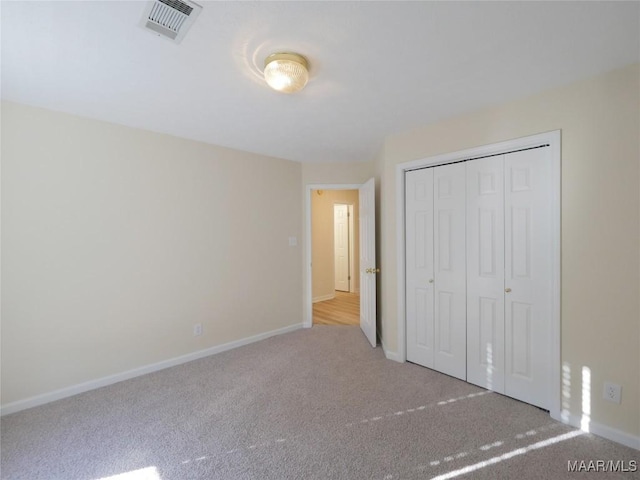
(552,139)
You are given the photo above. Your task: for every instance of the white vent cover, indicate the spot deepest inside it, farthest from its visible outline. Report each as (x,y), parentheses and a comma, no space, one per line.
(170,18)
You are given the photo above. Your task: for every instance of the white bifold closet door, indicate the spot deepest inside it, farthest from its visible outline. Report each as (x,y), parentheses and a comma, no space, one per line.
(528,254)
(419,266)
(509,274)
(478,271)
(436,268)
(485,272)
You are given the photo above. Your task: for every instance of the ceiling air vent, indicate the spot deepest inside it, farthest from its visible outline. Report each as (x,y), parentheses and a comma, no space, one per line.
(170,18)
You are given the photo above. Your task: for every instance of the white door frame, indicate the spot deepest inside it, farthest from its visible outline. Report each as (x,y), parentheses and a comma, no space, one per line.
(549,138)
(307,321)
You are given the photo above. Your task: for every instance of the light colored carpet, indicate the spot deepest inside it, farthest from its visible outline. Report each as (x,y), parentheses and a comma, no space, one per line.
(313,404)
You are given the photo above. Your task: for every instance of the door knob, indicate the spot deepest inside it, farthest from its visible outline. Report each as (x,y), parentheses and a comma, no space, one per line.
(507,290)
(376,270)
(431,280)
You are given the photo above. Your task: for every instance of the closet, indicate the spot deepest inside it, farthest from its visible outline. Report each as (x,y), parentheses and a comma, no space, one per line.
(478,271)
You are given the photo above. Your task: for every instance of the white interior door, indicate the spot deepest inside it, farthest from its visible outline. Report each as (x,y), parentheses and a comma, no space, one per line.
(419,266)
(528,253)
(485,273)
(341,246)
(450,295)
(368,269)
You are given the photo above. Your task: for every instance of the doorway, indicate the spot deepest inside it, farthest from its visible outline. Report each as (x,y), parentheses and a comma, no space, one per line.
(335,257)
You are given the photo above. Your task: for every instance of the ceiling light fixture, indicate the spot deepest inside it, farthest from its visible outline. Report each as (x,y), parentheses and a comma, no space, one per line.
(286,72)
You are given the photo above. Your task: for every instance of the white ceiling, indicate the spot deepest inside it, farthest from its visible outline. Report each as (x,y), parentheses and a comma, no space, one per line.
(377,68)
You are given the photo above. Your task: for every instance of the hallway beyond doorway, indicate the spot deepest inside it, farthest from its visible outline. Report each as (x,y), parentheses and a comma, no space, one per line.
(344,309)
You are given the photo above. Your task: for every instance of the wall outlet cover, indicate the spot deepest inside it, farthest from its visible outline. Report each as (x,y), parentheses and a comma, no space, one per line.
(612,392)
(197,330)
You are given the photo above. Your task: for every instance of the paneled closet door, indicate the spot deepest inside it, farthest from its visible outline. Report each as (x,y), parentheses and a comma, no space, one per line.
(528,254)
(419,266)
(485,272)
(450,295)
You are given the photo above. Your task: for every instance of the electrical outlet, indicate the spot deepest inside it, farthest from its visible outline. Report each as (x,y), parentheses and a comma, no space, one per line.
(612,392)
(197,330)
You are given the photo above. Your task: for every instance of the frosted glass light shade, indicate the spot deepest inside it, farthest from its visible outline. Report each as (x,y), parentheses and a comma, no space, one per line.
(286,72)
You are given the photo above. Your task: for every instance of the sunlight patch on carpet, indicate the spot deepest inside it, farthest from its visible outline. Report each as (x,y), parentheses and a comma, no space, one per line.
(420,408)
(149,473)
(508,455)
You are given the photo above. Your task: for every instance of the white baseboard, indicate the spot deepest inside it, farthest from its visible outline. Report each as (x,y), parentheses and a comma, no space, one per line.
(601,430)
(136,372)
(395,356)
(323,298)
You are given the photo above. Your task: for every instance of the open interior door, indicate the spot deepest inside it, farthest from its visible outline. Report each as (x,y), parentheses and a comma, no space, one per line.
(368,269)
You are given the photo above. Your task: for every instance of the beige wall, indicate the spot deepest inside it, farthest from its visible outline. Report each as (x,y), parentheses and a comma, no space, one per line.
(600,123)
(116,241)
(322,240)
(337,173)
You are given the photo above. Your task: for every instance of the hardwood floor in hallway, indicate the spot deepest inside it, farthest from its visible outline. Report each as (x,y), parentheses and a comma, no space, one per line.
(342,310)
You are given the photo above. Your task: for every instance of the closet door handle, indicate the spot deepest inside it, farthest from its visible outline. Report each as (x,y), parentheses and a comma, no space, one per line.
(431,280)
(508,290)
